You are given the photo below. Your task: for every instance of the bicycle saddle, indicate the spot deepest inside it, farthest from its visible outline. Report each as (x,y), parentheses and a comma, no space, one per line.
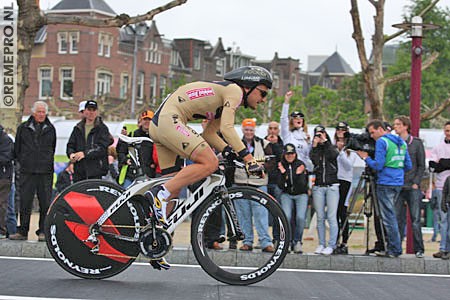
(134,140)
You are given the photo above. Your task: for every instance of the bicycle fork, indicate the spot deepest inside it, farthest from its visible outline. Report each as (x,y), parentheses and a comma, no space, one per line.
(232,221)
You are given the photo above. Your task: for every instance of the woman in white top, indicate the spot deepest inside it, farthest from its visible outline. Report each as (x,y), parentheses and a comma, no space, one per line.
(345,162)
(295,131)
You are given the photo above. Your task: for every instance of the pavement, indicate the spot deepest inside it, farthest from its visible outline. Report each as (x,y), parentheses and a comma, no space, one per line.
(355,261)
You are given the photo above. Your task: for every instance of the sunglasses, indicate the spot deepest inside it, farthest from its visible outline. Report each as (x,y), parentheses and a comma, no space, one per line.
(273,127)
(262,92)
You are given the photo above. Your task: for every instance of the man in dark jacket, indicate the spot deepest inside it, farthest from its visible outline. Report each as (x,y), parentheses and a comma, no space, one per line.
(6,171)
(411,193)
(88,145)
(35,149)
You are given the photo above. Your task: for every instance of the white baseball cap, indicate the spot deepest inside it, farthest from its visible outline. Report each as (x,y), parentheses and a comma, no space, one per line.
(82,106)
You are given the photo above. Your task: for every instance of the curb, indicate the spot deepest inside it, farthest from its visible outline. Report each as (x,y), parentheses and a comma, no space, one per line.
(407,263)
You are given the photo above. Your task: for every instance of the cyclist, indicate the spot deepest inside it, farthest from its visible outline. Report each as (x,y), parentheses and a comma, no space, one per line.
(173,138)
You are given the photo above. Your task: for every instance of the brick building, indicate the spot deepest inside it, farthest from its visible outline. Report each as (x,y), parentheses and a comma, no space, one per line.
(71,63)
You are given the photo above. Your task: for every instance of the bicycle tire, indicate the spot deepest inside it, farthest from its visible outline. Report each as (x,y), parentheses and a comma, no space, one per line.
(67,225)
(255,265)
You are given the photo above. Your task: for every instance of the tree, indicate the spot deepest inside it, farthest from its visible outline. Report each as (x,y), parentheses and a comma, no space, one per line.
(435,83)
(31,19)
(374,79)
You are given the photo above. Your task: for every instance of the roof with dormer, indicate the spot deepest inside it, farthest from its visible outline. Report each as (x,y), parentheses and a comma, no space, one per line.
(98,6)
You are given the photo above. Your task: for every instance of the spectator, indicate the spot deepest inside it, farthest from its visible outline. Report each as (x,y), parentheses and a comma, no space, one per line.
(113,172)
(440,164)
(148,166)
(345,161)
(294,185)
(445,204)
(436,211)
(6,173)
(326,188)
(251,212)
(88,145)
(411,193)
(35,149)
(295,131)
(65,178)
(277,147)
(390,162)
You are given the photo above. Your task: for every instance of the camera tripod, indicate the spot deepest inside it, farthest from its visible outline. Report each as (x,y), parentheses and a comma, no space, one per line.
(370,207)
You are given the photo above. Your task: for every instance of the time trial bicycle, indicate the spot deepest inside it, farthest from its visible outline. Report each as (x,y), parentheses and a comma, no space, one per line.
(95,229)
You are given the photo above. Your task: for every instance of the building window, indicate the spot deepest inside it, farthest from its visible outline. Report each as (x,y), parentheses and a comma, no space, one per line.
(105,42)
(62,42)
(74,40)
(153,85)
(152,55)
(45,83)
(140,85)
(103,85)
(108,45)
(101,42)
(124,82)
(162,86)
(220,67)
(197,58)
(67,78)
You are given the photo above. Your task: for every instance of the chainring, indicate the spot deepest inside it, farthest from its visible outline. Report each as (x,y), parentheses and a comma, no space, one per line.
(155,247)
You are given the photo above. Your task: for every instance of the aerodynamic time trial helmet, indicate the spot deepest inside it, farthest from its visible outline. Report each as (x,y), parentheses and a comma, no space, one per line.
(250,76)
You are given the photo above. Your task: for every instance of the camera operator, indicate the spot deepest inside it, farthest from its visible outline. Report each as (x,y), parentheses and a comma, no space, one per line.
(326,189)
(390,162)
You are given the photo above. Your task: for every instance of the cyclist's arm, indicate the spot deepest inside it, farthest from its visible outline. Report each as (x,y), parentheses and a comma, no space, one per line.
(229,132)
(211,136)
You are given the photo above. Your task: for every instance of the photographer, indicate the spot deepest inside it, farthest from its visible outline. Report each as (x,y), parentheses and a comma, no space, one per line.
(390,162)
(345,161)
(326,189)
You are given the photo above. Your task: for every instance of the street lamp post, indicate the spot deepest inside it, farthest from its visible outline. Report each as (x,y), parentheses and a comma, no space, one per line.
(136,30)
(416,27)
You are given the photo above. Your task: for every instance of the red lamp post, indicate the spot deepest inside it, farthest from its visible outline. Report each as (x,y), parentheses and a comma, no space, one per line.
(416,27)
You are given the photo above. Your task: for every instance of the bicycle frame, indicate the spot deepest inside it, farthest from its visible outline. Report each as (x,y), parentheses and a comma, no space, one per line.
(182,211)
(212,184)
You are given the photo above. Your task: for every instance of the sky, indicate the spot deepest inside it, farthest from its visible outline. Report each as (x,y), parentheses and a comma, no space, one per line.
(293,28)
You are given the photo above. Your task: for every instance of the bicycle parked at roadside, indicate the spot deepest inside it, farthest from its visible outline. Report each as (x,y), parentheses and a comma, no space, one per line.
(95,229)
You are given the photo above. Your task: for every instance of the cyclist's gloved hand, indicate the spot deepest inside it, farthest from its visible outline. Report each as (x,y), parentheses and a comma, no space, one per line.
(229,155)
(253,168)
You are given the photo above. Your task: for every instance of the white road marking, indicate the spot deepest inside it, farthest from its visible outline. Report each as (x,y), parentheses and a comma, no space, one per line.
(248,268)
(3,297)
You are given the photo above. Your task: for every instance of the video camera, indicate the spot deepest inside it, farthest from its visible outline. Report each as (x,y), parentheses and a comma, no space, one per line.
(361,142)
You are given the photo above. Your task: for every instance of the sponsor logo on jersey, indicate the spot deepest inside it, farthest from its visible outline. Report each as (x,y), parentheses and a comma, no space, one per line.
(181,129)
(200,93)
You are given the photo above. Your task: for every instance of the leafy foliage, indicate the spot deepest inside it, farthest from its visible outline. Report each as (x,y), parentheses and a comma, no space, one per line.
(435,79)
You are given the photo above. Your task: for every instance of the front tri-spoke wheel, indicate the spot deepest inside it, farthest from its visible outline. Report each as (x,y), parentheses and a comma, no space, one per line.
(234,266)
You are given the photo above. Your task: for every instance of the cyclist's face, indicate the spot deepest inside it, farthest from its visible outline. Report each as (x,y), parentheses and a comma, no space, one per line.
(258,95)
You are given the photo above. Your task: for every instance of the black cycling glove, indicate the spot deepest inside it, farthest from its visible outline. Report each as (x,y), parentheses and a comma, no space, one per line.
(229,155)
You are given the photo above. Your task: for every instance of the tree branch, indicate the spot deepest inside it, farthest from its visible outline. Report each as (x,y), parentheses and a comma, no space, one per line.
(431,114)
(407,75)
(117,21)
(421,14)
(358,35)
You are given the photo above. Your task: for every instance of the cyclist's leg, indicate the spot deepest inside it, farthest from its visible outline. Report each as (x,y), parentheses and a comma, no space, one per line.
(178,140)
